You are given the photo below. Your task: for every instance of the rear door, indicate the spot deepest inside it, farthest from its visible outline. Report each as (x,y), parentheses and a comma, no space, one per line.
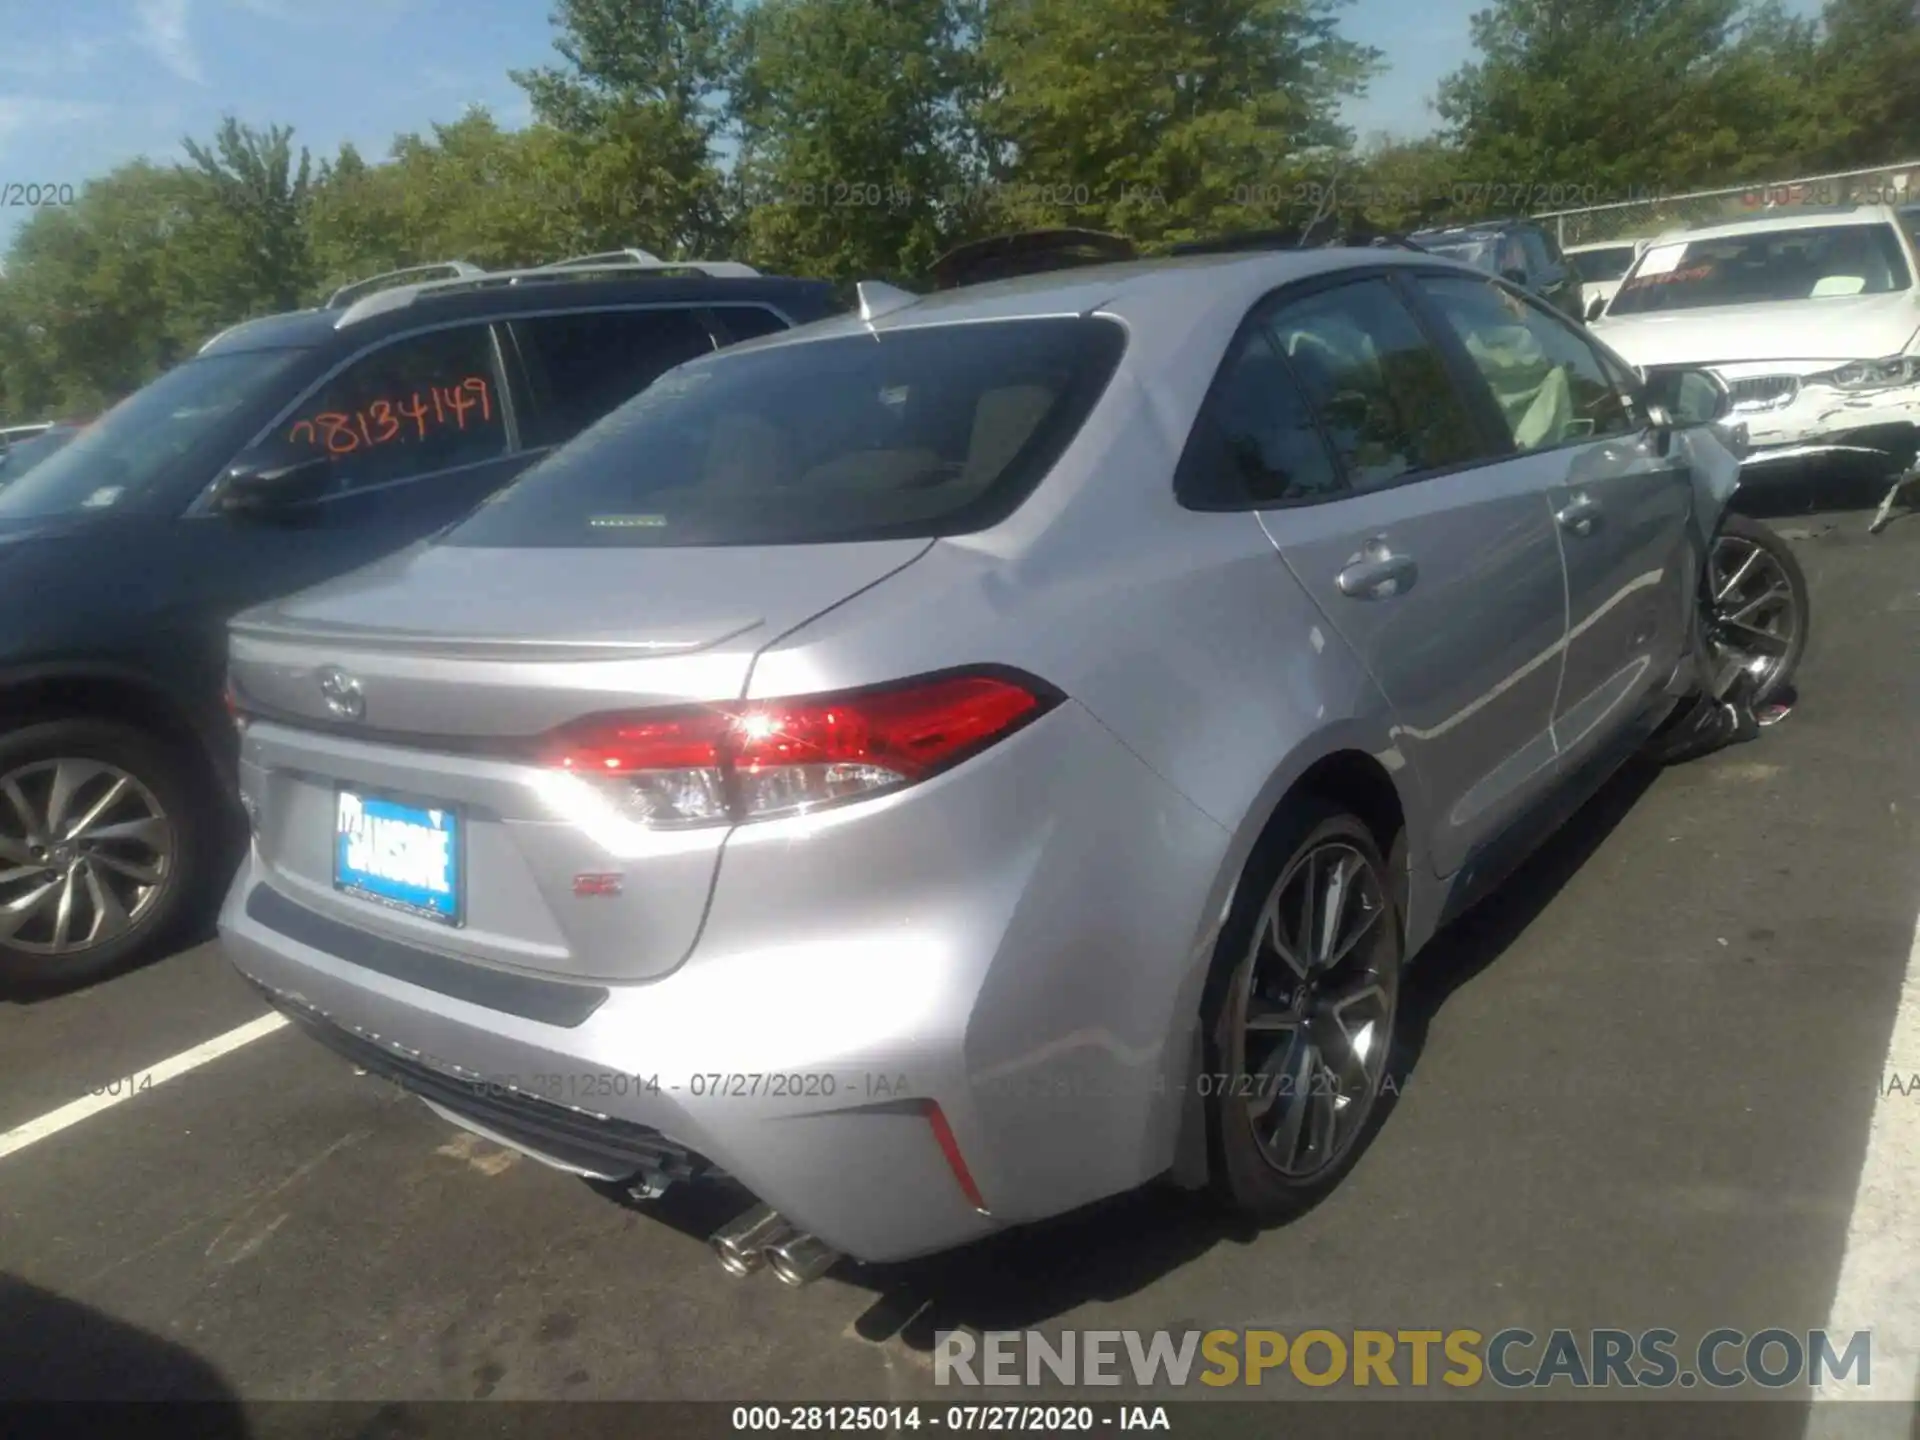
(582,364)
(1432,556)
(1620,505)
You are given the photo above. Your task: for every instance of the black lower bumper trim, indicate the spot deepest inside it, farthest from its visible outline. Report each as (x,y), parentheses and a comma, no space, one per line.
(600,1145)
(551,1002)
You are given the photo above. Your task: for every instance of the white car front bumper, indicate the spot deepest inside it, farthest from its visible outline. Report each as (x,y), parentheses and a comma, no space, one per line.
(1791,417)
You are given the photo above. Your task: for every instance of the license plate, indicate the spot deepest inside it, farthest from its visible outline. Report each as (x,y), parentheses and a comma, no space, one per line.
(406,857)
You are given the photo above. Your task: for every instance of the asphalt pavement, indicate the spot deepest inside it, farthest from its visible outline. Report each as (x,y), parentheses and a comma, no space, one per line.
(1638,1093)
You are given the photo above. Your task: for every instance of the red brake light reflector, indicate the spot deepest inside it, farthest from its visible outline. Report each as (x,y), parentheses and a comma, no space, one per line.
(956,1162)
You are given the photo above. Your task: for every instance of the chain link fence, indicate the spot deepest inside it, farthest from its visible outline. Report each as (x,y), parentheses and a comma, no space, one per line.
(1637,219)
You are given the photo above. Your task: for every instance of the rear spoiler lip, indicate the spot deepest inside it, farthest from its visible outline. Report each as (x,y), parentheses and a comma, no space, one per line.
(369,640)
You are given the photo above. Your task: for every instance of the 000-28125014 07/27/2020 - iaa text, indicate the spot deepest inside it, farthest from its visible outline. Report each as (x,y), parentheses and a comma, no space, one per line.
(893,1419)
(704,1085)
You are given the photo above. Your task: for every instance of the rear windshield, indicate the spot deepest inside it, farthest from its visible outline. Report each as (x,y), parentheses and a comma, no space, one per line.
(1597,267)
(1765,266)
(928,431)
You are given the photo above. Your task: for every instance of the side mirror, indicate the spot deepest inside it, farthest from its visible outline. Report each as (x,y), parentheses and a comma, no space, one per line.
(1689,397)
(1515,274)
(1595,306)
(257,490)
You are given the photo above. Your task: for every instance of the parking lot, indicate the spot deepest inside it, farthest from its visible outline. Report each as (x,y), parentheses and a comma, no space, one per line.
(1638,1093)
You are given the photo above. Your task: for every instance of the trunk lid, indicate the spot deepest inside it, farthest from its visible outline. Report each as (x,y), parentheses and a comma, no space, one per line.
(453,642)
(418,683)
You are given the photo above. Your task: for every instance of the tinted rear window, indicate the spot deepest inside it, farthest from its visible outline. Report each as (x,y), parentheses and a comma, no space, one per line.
(584,364)
(929,431)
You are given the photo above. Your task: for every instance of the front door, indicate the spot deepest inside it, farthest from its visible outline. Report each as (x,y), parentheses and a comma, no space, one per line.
(1437,562)
(1619,502)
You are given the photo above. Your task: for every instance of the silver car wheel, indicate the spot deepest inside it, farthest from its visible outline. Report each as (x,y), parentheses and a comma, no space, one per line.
(1317,1011)
(1756,613)
(85,853)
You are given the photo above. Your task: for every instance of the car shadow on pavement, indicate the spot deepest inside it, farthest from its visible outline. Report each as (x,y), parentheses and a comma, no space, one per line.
(1022,1278)
(59,1352)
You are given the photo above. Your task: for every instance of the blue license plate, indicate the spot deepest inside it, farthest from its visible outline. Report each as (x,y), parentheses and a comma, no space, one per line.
(406,857)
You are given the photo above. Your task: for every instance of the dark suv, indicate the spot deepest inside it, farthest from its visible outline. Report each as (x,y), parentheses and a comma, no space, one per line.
(290,449)
(1517,250)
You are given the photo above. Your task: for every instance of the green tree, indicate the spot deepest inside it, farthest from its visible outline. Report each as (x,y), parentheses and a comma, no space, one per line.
(1862,81)
(356,223)
(1621,98)
(853,135)
(1401,184)
(1162,119)
(648,82)
(102,295)
(496,198)
(262,193)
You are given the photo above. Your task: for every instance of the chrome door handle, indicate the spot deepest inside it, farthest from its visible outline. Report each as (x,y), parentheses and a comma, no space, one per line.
(1579,515)
(1377,573)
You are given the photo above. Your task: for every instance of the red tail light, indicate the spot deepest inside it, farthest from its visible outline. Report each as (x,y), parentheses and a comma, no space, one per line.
(758,759)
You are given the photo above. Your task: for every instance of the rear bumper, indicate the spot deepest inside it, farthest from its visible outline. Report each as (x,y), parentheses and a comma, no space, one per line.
(867,1176)
(1034,973)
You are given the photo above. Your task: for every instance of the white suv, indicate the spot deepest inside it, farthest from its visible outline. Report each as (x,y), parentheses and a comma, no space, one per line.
(1811,316)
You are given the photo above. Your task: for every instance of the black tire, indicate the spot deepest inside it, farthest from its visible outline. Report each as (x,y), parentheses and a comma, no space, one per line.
(172,782)
(1243,1173)
(1746,530)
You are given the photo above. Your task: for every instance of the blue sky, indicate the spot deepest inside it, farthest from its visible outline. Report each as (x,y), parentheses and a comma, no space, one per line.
(87,84)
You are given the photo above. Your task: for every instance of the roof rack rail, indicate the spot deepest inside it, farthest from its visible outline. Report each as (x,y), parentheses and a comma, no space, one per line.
(1028,252)
(624,261)
(453,269)
(631,256)
(580,268)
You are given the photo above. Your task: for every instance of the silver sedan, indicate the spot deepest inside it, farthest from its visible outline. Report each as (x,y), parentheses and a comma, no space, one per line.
(952,763)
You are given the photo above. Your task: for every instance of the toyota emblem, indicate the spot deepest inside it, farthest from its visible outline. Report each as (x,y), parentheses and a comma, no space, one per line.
(342,693)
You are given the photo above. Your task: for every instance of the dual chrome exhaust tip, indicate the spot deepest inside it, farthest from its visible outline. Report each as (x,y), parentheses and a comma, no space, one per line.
(761,1238)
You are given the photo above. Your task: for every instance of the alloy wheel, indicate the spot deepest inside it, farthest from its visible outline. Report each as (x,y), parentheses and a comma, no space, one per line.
(1317,1010)
(85,853)
(1756,615)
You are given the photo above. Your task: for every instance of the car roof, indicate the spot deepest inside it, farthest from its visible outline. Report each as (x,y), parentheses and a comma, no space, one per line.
(431,305)
(1090,289)
(1794,217)
(1587,245)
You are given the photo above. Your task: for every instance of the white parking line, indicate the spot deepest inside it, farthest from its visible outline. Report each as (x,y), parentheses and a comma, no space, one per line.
(1879,1287)
(72,1113)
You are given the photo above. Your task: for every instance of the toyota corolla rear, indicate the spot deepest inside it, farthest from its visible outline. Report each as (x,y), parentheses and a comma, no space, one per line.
(521,842)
